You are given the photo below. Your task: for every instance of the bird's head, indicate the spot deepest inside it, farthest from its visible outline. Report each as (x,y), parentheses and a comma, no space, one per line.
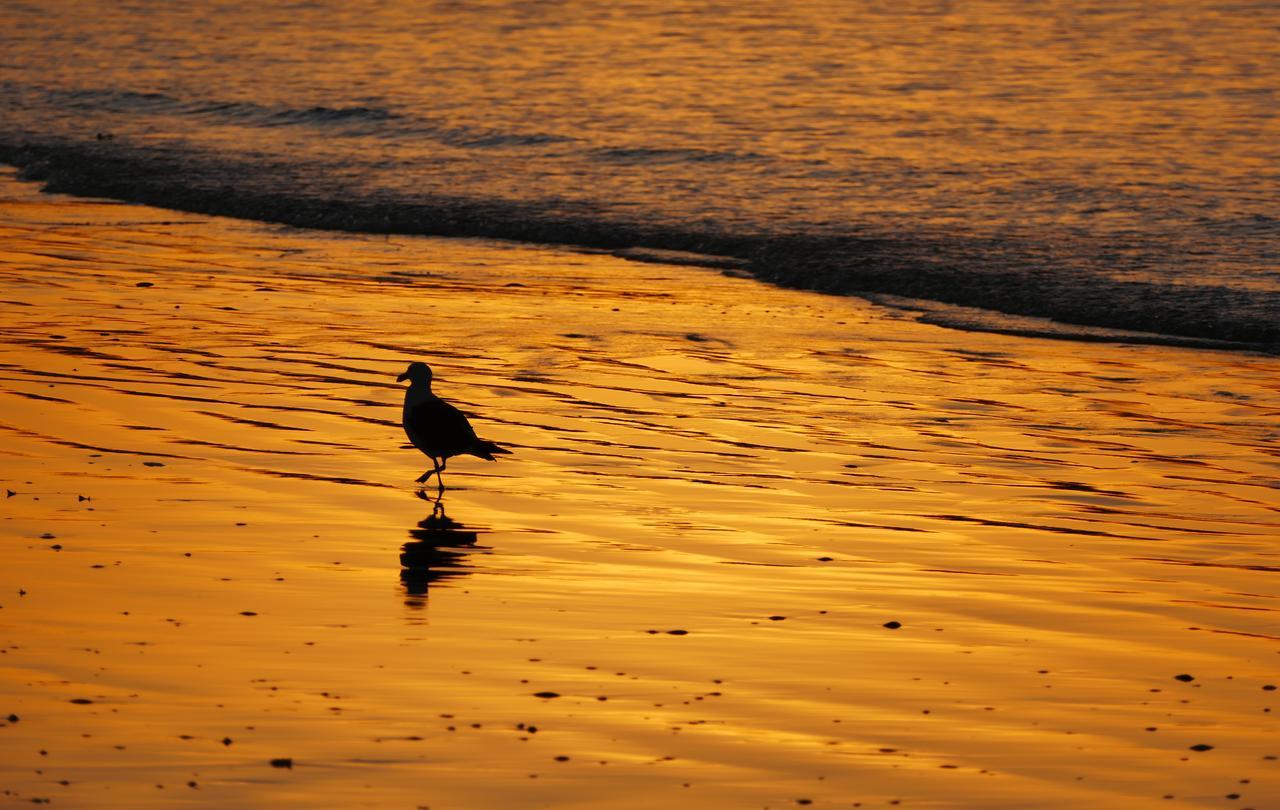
(416,373)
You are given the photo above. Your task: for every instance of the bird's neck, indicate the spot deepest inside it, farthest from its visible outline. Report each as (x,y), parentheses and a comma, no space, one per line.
(417,392)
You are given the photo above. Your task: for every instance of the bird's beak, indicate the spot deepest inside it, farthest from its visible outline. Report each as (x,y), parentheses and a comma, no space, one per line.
(403,377)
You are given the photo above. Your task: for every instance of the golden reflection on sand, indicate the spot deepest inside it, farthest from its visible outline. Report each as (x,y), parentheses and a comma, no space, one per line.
(678,590)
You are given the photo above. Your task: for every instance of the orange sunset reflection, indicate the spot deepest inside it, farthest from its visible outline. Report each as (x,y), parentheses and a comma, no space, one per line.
(866,405)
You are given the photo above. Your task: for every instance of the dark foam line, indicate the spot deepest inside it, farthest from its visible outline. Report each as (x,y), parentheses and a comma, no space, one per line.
(250,422)
(854,525)
(1009,524)
(971,573)
(332,479)
(993,273)
(1236,633)
(87,379)
(1178,529)
(1220,605)
(221,446)
(1202,564)
(31,434)
(40,397)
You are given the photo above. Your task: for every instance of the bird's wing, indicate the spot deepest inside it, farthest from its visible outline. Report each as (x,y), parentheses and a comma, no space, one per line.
(438,428)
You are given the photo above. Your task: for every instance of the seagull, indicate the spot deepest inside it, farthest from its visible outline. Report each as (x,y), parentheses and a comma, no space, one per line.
(437,428)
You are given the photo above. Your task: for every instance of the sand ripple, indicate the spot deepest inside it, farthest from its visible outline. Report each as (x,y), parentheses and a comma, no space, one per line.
(720,497)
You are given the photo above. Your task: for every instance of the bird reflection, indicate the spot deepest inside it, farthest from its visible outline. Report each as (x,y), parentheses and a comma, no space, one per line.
(438,551)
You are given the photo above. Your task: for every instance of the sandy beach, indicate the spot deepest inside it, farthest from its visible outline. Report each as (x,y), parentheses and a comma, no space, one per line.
(754,548)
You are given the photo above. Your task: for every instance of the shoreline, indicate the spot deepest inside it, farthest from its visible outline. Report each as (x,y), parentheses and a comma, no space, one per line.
(721,496)
(925,267)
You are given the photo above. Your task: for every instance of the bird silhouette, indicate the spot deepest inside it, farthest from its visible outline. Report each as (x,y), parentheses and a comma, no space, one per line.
(438,429)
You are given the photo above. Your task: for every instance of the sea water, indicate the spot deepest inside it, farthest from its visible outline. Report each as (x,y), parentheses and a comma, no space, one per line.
(1109,164)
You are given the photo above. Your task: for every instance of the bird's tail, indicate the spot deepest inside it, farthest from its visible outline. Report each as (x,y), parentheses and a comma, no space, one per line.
(487,450)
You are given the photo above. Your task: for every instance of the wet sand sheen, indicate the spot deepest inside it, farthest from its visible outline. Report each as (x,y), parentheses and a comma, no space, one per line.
(211,506)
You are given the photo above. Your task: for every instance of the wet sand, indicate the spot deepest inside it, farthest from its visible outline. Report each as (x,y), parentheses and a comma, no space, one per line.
(674,593)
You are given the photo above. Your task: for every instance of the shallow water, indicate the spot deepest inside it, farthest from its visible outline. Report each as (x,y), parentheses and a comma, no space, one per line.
(720,493)
(1107,164)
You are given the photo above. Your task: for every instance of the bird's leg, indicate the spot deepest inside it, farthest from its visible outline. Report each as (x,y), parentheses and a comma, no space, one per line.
(437,466)
(440,479)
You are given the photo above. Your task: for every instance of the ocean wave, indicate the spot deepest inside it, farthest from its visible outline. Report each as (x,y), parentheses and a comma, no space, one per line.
(339,121)
(998,273)
(130,101)
(620,154)
(115,100)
